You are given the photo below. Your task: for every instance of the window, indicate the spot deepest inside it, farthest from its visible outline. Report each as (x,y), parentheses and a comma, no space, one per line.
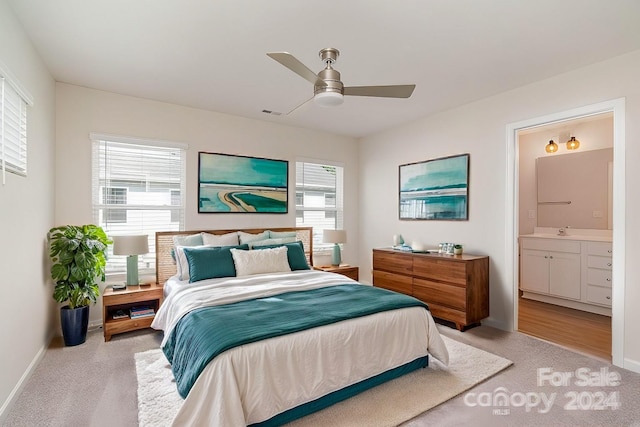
(138,188)
(13,125)
(319,188)
(115,196)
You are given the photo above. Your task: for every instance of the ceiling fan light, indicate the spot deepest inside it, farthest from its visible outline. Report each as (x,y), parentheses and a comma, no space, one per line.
(328,99)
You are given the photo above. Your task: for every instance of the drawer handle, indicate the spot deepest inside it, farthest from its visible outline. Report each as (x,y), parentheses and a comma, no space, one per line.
(608,279)
(608,264)
(609,251)
(608,297)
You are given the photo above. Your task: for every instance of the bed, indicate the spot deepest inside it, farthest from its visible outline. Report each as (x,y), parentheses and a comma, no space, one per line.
(256,336)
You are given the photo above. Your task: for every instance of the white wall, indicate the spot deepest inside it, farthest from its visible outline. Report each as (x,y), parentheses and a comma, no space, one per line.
(26,214)
(81,111)
(480,129)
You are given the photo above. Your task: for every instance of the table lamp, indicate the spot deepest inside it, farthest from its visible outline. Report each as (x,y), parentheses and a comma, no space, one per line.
(132,246)
(335,237)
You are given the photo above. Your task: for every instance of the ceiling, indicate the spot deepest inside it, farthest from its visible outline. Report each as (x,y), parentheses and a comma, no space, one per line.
(212,54)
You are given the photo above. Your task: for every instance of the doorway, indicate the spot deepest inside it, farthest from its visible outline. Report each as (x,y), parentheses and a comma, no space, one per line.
(617,107)
(566,187)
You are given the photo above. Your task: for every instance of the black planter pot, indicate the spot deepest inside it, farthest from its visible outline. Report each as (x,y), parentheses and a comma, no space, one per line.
(74,324)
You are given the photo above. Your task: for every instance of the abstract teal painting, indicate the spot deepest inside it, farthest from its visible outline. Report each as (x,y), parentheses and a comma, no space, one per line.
(435,189)
(229,183)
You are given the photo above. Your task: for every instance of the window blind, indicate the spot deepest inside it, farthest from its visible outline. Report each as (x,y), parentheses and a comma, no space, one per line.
(138,188)
(319,199)
(13,125)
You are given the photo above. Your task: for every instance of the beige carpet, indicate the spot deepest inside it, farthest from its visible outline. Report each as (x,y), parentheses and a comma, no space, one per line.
(386,405)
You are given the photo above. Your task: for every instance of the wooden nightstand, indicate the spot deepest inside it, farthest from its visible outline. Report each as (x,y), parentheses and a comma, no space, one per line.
(344,269)
(112,301)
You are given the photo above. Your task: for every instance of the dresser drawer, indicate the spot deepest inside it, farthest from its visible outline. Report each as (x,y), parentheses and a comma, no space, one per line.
(441,312)
(599,295)
(444,270)
(599,248)
(598,277)
(394,262)
(440,293)
(599,262)
(393,282)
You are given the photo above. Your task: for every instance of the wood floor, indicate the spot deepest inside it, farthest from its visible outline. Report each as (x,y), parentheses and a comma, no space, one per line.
(578,330)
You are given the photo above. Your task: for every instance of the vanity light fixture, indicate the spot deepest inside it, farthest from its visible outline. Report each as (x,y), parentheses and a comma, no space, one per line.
(551,147)
(573,143)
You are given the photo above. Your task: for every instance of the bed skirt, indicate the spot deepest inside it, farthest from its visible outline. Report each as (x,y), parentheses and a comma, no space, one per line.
(343,394)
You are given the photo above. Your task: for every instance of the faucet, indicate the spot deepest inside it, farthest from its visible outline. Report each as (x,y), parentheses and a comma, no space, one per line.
(563,230)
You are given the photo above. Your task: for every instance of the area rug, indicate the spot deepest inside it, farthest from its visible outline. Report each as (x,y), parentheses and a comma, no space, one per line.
(389,404)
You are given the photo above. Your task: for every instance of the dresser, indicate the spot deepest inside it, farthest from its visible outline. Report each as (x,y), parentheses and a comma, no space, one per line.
(455,287)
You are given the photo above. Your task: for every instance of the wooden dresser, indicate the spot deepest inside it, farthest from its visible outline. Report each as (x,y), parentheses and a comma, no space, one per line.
(455,287)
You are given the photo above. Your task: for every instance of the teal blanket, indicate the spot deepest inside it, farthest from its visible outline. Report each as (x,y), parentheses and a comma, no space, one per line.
(206,332)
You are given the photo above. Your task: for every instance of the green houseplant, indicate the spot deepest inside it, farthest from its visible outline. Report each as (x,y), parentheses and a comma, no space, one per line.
(78,256)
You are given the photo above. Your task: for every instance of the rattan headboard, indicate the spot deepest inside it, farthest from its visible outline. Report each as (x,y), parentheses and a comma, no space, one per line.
(166,266)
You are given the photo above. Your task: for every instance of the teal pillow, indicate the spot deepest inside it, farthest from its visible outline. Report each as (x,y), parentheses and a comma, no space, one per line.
(295,254)
(211,262)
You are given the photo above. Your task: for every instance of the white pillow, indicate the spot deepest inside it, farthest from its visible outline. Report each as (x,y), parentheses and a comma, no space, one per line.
(248,237)
(260,261)
(229,239)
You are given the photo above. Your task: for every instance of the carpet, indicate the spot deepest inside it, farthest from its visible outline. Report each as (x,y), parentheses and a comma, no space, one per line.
(386,405)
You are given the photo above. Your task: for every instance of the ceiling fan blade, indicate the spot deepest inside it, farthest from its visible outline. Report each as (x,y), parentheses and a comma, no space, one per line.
(296,66)
(394,91)
(300,105)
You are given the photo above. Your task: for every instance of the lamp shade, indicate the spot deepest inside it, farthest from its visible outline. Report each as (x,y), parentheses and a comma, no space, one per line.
(334,236)
(573,143)
(551,147)
(131,245)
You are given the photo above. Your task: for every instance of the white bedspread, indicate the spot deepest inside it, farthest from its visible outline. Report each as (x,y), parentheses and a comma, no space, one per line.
(256,381)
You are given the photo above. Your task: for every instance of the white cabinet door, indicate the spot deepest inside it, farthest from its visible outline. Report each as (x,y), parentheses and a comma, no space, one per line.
(535,271)
(564,275)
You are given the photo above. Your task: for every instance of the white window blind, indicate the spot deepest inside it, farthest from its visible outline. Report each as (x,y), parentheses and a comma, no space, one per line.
(138,188)
(13,125)
(319,199)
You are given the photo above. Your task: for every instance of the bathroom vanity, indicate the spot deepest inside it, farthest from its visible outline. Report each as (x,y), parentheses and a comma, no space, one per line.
(569,267)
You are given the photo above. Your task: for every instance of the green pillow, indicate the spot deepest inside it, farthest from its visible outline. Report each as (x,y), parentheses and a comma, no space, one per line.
(295,254)
(211,262)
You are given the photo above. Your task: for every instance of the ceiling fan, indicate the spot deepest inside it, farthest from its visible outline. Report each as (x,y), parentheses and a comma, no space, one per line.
(328,90)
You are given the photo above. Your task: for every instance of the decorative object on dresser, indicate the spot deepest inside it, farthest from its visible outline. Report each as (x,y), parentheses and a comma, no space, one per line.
(241,184)
(435,189)
(336,237)
(456,288)
(344,269)
(131,246)
(130,309)
(78,257)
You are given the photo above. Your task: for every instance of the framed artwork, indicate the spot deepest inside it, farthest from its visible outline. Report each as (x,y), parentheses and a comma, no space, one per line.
(435,189)
(232,184)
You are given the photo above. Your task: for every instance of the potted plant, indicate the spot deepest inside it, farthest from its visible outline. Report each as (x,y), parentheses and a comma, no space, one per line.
(78,255)
(457,249)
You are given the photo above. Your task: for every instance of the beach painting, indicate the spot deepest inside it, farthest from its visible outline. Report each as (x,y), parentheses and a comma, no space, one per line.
(435,189)
(231,184)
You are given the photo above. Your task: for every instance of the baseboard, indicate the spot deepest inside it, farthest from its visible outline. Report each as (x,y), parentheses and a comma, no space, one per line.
(498,324)
(632,365)
(6,406)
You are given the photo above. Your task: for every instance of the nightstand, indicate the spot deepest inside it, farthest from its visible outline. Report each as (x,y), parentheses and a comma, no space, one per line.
(344,269)
(133,296)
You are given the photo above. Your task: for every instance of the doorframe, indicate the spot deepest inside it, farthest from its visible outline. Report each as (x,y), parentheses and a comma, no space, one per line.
(617,106)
